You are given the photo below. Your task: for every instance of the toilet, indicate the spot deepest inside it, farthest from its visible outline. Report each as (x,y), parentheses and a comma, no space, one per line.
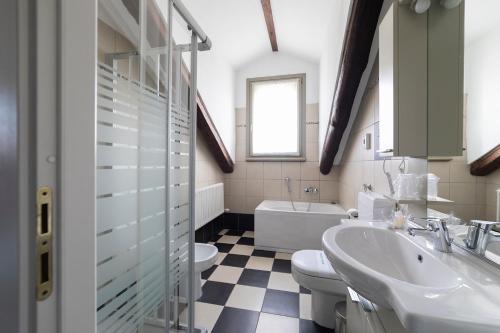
(205,256)
(312,269)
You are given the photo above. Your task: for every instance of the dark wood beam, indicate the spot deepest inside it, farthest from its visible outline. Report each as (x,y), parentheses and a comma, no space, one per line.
(268,15)
(211,136)
(487,163)
(358,37)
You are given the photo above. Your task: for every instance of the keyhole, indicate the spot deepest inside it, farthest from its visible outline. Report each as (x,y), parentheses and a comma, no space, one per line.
(420,258)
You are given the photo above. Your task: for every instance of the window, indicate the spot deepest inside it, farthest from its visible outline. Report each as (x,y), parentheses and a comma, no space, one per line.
(275,118)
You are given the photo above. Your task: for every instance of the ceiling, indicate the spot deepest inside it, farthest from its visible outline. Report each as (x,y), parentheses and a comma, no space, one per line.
(480,17)
(239,34)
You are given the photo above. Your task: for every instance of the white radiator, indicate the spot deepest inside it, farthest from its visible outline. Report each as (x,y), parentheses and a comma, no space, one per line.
(209,203)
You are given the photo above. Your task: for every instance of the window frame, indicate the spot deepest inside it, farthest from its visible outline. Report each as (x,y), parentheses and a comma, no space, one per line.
(301,124)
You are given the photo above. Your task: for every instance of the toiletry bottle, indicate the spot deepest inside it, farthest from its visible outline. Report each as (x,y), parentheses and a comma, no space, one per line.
(398,221)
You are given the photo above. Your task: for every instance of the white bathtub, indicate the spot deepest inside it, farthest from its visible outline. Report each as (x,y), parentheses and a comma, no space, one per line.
(279,228)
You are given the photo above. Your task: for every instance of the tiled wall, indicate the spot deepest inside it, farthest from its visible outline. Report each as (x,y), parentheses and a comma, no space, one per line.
(492,183)
(253,182)
(457,184)
(474,197)
(359,166)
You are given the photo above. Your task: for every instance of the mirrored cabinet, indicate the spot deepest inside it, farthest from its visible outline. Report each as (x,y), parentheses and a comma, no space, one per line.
(421,81)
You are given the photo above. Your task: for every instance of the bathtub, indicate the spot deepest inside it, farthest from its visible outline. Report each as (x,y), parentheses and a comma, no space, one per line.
(279,228)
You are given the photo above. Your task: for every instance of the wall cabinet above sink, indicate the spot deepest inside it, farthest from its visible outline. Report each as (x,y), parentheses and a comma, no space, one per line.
(421,81)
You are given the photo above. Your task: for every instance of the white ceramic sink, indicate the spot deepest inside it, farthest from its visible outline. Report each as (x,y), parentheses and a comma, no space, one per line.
(430,291)
(373,257)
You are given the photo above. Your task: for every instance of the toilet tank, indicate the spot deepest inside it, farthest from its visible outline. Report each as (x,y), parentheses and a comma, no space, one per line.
(374,206)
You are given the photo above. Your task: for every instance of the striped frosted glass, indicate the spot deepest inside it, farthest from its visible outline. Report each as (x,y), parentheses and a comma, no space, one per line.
(131,201)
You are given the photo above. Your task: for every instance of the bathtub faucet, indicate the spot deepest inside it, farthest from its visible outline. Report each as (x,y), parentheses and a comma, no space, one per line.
(311,189)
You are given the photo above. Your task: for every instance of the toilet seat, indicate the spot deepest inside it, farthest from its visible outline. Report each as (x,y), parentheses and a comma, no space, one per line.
(313,270)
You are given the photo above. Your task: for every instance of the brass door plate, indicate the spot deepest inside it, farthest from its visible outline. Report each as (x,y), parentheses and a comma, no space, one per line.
(44,281)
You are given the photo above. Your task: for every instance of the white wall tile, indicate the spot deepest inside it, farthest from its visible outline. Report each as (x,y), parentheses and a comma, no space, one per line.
(312,132)
(309,171)
(272,170)
(463,193)
(252,203)
(312,113)
(460,173)
(241,116)
(272,189)
(291,170)
(440,169)
(255,170)
(294,186)
(328,190)
(254,187)
(312,152)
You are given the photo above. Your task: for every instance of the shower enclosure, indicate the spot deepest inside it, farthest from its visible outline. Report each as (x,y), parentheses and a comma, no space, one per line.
(146,127)
(127,253)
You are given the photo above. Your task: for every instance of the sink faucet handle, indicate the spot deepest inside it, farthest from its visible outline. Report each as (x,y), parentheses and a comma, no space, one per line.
(484,224)
(478,235)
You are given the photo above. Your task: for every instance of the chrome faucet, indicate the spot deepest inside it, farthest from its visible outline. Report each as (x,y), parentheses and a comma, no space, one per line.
(311,189)
(478,235)
(439,230)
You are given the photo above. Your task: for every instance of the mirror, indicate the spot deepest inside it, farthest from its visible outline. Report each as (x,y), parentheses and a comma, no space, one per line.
(482,76)
(475,195)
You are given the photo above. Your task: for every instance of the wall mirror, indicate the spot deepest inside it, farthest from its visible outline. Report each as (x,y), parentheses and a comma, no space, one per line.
(470,182)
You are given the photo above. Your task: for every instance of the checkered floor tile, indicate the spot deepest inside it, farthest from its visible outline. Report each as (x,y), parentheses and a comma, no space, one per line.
(252,291)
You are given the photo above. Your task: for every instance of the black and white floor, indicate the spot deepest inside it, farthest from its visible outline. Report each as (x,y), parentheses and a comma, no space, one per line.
(252,291)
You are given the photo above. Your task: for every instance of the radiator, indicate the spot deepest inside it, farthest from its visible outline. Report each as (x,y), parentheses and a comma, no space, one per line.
(209,203)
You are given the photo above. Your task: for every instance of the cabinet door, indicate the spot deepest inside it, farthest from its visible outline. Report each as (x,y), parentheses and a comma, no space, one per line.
(445,61)
(403,82)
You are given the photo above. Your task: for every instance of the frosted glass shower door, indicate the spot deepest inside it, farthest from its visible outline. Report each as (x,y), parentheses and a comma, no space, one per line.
(132,219)
(144,168)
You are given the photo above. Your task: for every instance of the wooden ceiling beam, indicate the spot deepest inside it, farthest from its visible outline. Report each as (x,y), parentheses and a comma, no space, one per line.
(268,15)
(358,39)
(487,163)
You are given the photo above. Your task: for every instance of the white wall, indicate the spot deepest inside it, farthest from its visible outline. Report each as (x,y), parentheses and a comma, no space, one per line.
(278,63)
(329,63)
(216,86)
(482,84)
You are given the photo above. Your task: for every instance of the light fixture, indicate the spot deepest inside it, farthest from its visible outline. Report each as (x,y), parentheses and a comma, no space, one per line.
(450,4)
(420,6)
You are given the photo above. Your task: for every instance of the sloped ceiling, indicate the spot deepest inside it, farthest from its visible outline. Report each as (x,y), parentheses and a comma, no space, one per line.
(238,29)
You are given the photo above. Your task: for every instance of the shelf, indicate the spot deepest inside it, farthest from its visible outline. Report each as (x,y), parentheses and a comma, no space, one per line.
(437,200)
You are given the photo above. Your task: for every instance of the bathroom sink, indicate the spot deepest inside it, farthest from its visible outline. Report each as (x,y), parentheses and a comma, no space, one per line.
(370,258)
(428,290)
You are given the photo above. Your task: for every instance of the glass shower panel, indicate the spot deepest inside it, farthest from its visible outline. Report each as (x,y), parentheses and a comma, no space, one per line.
(179,169)
(131,147)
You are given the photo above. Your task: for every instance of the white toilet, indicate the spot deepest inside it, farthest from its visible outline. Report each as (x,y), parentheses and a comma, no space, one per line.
(205,256)
(312,270)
